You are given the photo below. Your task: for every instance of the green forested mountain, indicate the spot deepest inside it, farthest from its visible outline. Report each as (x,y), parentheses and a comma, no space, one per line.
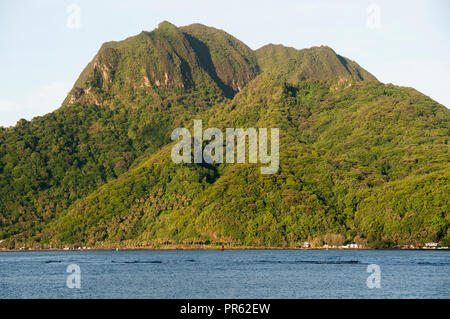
(359,160)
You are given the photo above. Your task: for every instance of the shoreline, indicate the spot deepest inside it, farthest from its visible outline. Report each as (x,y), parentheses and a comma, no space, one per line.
(214,248)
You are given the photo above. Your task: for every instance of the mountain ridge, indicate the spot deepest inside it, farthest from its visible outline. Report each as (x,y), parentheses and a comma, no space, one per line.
(228,62)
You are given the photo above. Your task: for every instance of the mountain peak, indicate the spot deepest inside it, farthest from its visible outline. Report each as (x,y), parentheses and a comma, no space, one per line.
(319,62)
(166,25)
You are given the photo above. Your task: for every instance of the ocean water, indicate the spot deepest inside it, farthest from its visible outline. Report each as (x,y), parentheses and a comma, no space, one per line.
(226,274)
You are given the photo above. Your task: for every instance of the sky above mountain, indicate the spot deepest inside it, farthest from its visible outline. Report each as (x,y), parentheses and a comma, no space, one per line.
(44,46)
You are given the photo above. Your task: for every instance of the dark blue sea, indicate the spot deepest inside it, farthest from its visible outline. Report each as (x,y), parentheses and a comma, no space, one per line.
(226,274)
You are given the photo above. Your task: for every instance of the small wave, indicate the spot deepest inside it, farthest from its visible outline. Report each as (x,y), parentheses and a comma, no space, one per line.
(53,261)
(427,263)
(138,262)
(314,262)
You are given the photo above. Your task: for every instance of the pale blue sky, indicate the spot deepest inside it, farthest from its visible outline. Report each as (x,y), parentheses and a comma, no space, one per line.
(41,57)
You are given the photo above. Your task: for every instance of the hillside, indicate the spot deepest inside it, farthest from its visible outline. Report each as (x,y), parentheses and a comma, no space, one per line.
(359,160)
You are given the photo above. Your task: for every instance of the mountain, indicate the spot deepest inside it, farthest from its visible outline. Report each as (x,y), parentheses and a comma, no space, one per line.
(359,160)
